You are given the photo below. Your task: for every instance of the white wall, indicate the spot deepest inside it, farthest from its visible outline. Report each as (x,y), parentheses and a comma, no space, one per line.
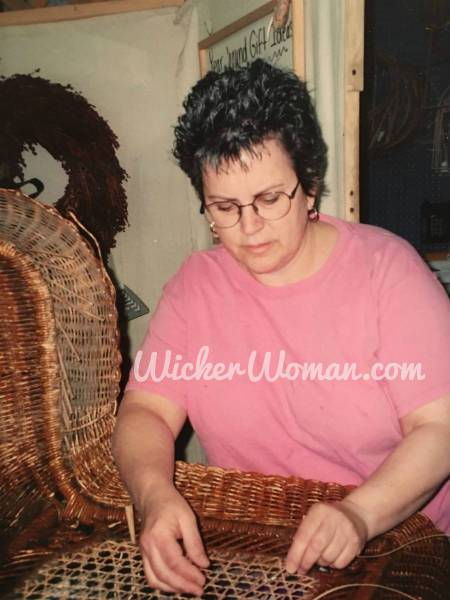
(216,14)
(135,68)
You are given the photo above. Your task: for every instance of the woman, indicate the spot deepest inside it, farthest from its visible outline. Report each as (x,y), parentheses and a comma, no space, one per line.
(252,338)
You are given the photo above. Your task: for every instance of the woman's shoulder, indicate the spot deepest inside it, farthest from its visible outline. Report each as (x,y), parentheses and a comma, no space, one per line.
(383,256)
(200,268)
(372,236)
(201,262)
(376,244)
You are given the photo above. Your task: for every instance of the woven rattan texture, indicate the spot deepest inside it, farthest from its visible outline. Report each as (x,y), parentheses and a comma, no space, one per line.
(113,570)
(250,512)
(69,428)
(28,373)
(107,565)
(244,514)
(251,497)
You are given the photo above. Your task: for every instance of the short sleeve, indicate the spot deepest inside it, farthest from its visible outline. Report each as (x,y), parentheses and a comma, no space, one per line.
(414,331)
(154,366)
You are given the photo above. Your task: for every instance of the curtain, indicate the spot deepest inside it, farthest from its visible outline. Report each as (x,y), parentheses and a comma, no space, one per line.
(324,50)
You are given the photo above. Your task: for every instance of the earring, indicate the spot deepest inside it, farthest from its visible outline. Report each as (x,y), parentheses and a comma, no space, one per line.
(212,228)
(313,214)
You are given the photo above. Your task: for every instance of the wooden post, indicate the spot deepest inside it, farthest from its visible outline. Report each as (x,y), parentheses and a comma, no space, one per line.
(298,42)
(353,85)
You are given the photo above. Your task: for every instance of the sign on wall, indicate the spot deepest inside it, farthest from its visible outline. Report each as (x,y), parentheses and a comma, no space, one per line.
(253,37)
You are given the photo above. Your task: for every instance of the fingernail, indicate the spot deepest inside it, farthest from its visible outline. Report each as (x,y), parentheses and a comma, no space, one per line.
(290,568)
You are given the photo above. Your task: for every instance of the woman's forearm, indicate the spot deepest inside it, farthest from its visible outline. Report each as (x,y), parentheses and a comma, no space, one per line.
(405,480)
(333,534)
(143,447)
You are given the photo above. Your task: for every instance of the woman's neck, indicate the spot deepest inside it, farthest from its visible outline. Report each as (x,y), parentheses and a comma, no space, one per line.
(318,242)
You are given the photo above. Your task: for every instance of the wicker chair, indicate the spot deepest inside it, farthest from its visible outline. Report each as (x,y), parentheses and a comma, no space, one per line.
(61,498)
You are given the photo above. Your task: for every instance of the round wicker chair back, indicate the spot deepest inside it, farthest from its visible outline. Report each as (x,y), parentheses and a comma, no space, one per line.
(60,366)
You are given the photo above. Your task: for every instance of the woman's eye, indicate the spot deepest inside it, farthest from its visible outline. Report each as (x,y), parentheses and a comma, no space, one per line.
(267,200)
(226,207)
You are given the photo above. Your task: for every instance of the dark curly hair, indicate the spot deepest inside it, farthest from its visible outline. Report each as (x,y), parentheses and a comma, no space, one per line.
(234,111)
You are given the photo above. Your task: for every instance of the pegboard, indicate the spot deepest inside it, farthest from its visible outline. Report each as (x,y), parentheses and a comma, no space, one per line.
(397,182)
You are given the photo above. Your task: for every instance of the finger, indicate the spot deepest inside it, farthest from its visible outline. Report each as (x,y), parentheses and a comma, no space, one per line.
(344,558)
(153,581)
(165,555)
(324,561)
(174,569)
(332,551)
(318,543)
(193,543)
(300,542)
(172,556)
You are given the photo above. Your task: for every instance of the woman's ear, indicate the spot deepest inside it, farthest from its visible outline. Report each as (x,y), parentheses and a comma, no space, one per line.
(311,200)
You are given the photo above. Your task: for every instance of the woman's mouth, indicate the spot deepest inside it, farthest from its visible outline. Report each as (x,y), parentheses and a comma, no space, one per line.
(257,248)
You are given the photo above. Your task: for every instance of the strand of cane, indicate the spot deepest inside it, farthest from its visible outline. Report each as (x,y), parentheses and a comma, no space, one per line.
(408,543)
(376,585)
(372,585)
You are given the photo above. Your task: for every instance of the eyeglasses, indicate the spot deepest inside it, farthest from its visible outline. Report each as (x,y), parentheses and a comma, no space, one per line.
(270,207)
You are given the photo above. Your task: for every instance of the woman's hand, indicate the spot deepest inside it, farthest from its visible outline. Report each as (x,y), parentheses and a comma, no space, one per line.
(167,519)
(143,446)
(329,535)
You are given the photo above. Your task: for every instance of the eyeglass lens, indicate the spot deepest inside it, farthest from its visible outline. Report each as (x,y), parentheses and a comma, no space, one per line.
(268,207)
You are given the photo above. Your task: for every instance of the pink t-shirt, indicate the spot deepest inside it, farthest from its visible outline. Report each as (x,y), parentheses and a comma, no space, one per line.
(235,353)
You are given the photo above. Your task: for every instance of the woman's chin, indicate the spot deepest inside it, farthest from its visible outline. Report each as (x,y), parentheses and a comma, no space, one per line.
(258,266)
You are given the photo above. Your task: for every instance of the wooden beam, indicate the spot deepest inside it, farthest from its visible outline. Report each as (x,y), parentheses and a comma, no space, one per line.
(298,41)
(37,3)
(353,85)
(259,13)
(443,255)
(53,14)
(15,4)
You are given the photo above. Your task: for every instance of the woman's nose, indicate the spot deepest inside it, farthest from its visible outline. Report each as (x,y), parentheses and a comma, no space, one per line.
(250,221)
